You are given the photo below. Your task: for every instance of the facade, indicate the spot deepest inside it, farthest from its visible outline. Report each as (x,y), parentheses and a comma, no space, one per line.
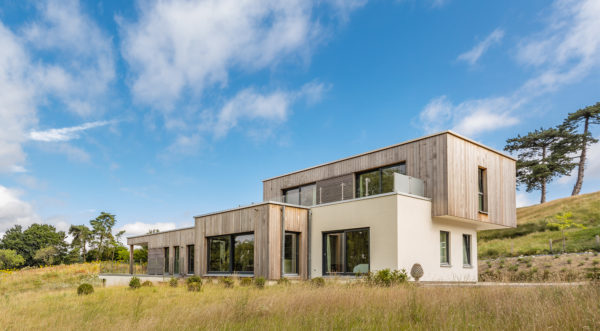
(421,201)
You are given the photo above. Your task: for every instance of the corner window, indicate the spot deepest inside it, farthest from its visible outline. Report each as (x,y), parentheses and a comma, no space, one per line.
(444,247)
(290,253)
(231,253)
(304,195)
(379,180)
(466,250)
(190,258)
(482,184)
(346,252)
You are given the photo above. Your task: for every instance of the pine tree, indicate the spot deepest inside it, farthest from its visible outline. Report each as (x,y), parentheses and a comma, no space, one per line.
(587,116)
(542,155)
(81,237)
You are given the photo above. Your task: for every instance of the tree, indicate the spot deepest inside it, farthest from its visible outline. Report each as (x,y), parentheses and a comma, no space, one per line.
(565,222)
(587,116)
(9,259)
(116,243)
(81,238)
(48,255)
(542,155)
(102,231)
(37,236)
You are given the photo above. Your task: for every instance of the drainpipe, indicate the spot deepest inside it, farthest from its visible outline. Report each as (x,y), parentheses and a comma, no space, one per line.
(282,271)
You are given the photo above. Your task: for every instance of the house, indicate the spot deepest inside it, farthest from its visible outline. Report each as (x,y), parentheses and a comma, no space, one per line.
(420,201)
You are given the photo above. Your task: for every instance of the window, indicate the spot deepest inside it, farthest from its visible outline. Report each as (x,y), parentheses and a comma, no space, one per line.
(467,250)
(482,183)
(190,258)
(379,180)
(346,252)
(304,195)
(444,247)
(290,253)
(231,253)
(176,261)
(166,260)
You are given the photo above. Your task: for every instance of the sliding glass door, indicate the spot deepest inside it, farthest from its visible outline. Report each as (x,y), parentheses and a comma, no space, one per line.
(346,252)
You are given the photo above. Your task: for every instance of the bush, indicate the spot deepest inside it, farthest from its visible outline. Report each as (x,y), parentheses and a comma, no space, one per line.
(147,284)
(194,279)
(85,289)
(387,278)
(246,281)
(194,284)
(283,281)
(173,282)
(317,282)
(134,283)
(227,282)
(259,282)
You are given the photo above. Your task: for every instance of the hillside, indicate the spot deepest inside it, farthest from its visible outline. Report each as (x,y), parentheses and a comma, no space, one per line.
(533,234)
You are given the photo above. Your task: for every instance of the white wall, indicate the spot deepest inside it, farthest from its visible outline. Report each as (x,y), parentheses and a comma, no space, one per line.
(401,233)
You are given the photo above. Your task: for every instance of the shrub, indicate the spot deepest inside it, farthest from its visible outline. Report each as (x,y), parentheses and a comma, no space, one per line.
(259,282)
(194,283)
(173,282)
(387,278)
(246,281)
(283,281)
(85,289)
(134,283)
(317,282)
(147,284)
(227,282)
(194,279)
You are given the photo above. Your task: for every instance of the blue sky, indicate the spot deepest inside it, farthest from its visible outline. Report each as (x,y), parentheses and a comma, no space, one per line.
(158,111)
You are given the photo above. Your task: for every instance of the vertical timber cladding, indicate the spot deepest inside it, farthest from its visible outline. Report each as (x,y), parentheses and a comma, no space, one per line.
(425,159)
(464,159)
(264,220)
(158,241)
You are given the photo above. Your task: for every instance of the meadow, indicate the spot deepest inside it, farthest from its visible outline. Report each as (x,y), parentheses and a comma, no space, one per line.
(24,304)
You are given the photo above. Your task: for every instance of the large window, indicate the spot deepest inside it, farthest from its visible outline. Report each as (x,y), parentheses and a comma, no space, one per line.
(176,261)
(378,181)
(346,252)
(290,253)
(444,247)
(467,250)
(482,183)
(166,252)
(304,195)
(231,253)
(190,259)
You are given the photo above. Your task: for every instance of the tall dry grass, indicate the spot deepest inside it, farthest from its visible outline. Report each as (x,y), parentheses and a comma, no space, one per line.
(300,306)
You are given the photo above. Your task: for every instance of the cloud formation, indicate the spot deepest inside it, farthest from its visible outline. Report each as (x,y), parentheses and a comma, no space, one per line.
(64,134)
(473,55)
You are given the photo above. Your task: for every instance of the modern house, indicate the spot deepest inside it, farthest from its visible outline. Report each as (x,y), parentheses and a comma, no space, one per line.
(420,201)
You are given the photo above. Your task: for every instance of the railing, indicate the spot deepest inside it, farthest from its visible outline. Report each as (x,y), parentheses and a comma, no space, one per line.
(113,267)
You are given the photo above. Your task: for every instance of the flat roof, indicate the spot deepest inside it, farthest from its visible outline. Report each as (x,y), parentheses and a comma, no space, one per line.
(253,205)
(160,232)
(396,145)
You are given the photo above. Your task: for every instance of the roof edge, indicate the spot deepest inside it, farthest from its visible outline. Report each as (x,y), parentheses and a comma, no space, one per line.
(160,232)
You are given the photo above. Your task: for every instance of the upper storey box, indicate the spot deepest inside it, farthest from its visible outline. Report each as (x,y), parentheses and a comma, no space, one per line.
(466,181)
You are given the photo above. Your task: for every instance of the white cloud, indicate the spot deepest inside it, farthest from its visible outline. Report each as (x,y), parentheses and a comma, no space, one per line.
(439,3)
(138,228)
(566,51)
(524,199)
(64,134)
(593,162)
(14,211)
(473,55)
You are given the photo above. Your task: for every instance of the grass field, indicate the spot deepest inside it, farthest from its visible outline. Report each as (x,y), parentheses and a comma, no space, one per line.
(55,305)
(532,234)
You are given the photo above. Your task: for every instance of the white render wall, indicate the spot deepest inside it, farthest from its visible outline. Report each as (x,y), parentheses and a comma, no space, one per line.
(401,233)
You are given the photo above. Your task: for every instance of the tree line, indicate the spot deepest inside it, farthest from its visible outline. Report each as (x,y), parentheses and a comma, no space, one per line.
(41,244)
(545,154)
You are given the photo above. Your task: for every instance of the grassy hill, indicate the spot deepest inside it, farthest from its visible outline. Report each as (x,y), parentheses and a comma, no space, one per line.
(533,233)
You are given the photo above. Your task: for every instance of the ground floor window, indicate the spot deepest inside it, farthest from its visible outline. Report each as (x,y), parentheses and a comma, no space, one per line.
(190,258)
(176,261)
(467,250)
(346,252)
(231,253)
(444,247)
(166,260)
(290,253)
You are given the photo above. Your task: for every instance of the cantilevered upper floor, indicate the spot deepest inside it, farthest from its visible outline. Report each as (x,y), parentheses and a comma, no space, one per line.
(465,180)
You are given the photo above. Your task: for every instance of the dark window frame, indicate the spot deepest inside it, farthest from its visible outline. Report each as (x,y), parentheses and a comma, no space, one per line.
(297,234)
(285,190)
(343,246)
(380,170)
(166,253)
(176,260)
(482,204)
(469,249)
(231,254)
(190,259)
(447,263)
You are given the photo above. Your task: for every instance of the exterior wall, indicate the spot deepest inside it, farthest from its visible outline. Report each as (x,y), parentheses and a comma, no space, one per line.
(402,233)
(157,241)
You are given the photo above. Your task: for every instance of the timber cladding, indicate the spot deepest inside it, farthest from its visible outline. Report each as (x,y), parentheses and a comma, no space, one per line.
(265,221)
(446,162)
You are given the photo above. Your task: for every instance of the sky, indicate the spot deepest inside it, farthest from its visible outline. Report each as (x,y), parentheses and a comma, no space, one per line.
(157,111)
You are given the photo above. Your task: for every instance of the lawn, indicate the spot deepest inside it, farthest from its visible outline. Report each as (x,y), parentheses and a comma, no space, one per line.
(296,306)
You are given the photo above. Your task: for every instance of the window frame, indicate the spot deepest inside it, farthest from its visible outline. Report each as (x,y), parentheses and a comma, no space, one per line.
(482,204)
(297,234)
(380,172)
(176,260)
(447,263)
(469,249)
(299,188)
(166,252)
(231,263)
(343,247)
(190,254)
